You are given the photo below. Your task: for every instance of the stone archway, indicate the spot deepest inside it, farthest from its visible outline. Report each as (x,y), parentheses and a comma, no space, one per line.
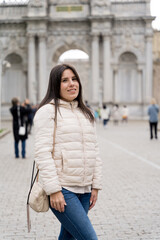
(64,47)
(13,79)
(128,83)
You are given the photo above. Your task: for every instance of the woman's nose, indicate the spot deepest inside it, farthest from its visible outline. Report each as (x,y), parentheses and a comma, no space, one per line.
(71,82)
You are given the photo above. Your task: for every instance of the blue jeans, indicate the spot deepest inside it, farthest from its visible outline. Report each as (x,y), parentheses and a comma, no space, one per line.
(105,121)
(75,223)
(17,148)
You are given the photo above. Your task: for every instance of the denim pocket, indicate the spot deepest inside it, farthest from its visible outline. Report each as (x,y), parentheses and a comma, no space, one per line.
(68,194)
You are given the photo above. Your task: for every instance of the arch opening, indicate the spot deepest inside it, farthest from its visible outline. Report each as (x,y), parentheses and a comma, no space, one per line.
(128,82)
(13,79)
(74,54)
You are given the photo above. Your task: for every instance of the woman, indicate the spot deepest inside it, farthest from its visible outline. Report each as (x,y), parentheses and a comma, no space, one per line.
(125,113)
(116,114)
(105,115)
(72,179)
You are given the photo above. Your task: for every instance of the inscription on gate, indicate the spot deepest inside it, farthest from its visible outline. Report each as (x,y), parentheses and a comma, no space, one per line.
(74,8)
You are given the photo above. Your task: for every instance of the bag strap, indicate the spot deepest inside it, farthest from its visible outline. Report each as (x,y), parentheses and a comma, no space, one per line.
(33,179)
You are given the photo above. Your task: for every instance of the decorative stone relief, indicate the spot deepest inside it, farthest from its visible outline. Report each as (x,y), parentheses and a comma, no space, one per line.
(100,7)
(70,40)
(71,27)
(103,28)
(50,41)
(37,8)
(128,57)
(37,3)
(22,42)
(100,3)
(138,43)
(13,44)
(5,41)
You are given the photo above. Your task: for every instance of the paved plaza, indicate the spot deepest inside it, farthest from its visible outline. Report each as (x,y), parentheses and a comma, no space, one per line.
(128,207)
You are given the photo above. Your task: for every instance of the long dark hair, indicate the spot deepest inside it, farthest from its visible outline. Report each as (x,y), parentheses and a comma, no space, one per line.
(53,91)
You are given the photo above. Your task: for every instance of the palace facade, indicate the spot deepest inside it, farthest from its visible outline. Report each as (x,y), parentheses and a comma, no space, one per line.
(116,34)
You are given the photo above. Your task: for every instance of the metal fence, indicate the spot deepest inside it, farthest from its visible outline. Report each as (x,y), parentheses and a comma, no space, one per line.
(13,2)
(127,1)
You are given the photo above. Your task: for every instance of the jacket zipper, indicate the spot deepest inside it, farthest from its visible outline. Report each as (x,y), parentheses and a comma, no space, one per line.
(82,140)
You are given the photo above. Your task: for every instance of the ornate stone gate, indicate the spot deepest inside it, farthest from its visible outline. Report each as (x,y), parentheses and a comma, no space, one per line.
(116,34)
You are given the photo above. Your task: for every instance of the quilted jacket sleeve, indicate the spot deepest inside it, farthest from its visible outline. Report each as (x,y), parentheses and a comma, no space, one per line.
(97,176)
(44,129)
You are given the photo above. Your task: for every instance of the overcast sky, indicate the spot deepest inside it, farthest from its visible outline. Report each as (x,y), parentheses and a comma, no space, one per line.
(155,11)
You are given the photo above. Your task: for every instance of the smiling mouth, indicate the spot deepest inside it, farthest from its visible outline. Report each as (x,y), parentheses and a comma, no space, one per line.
(71,90)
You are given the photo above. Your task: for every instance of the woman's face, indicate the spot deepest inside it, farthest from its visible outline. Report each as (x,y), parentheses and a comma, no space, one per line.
(69,88)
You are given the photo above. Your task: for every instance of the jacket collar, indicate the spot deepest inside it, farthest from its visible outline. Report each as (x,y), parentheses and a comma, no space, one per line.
(65,104)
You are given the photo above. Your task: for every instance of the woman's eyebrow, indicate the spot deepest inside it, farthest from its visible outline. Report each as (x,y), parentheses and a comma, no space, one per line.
(67,77)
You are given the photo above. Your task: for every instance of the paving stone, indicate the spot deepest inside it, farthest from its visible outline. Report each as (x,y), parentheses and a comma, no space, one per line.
(128,206)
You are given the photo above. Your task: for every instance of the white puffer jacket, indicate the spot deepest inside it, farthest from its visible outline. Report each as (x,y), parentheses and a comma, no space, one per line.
(76,157)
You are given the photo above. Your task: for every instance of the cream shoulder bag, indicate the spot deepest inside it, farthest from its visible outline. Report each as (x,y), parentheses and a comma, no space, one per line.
(37,198)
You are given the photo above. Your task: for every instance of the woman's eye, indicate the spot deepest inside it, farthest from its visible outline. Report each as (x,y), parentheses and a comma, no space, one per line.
(74,79)
(64,80)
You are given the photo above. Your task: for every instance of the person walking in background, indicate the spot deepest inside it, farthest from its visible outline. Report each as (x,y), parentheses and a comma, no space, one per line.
(105,115)
(18,113)
(125,113)
(115,114)
(72,178)
(86,103)
(96,115)
(153,111)
(29,116)
(99,113)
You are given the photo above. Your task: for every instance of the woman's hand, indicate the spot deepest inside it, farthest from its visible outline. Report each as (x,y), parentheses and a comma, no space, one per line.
(93,199)
(57,201)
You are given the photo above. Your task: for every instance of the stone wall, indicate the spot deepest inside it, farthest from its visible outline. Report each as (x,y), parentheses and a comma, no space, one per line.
(156,66)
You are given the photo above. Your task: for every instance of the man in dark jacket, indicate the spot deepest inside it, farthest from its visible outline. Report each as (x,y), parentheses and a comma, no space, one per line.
(18,113)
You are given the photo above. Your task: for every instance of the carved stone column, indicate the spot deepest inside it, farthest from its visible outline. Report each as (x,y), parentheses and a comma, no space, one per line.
(95,69)
(31,68)
(141,70)
(140,85)
(143,84)
(42,67)
(115,77)
(149,68)
(107,76)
